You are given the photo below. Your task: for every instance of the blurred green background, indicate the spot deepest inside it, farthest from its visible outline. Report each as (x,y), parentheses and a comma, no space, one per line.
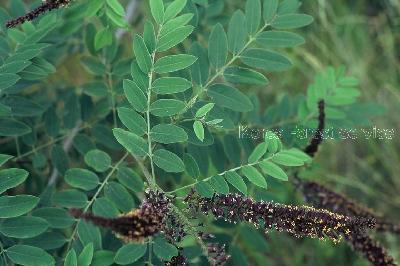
(364,36)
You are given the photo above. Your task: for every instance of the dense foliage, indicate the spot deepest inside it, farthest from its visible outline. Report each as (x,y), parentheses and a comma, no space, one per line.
(158,132)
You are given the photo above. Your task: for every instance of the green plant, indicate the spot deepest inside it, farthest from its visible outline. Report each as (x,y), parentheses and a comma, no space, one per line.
(110,121)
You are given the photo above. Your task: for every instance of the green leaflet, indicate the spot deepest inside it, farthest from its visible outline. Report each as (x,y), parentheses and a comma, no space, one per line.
(130,253)
(71,258)
(218,46)
(219,184)
(131,142)
(273,170)
(204,189)
(135,95)
(170,85)
(14,206)
(173,38)
(253,15)
(166,107)
(98,160)
(157,10)
(200,69)
(175,23)
(11,177)
(191,166)
(81,178)
(270,9)
(240,75)
(86,256)
(132,120)
(266,60)
(27,255)
(236,32)
(103,38)
(198,130)
(89,234)
(168,133)
(258,152)
(130,179)
(164,250)
(142,54)
(254,176)
(229,97)
(168,161)
(23,227)
(173,63)
(174,8)
(118,195)
(236,180)
(149,36)
(292,21)
(56,217)
(70,198)
(280,39)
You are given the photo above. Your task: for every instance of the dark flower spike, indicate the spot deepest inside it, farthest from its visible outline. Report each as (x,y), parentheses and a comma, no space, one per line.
(46,6)
(322,197)
(137,224)
(300,221)
(318,137)
(371,249)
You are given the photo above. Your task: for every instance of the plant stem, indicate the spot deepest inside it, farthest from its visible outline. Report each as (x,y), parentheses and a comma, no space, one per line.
(153,184)
(53,141)
(220,174)
(221,71)
(150,245)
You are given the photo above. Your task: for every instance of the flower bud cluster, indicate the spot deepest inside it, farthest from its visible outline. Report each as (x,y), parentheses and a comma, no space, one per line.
(300,221)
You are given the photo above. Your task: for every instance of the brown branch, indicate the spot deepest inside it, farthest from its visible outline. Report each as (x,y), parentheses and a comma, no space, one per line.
(46,6)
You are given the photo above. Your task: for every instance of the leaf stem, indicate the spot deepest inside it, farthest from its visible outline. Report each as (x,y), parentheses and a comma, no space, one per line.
(220,174)
(109,175)
(221,71)
(111,92)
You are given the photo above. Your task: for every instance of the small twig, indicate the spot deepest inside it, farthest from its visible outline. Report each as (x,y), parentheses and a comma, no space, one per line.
(318,137)
(131,10)
(46,6)
(66,147)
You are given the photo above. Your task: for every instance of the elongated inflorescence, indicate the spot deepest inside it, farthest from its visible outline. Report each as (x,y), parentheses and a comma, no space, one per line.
(46,6)
(318,137)
(137,224)
(371,249)
(320,196)
(300,221)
